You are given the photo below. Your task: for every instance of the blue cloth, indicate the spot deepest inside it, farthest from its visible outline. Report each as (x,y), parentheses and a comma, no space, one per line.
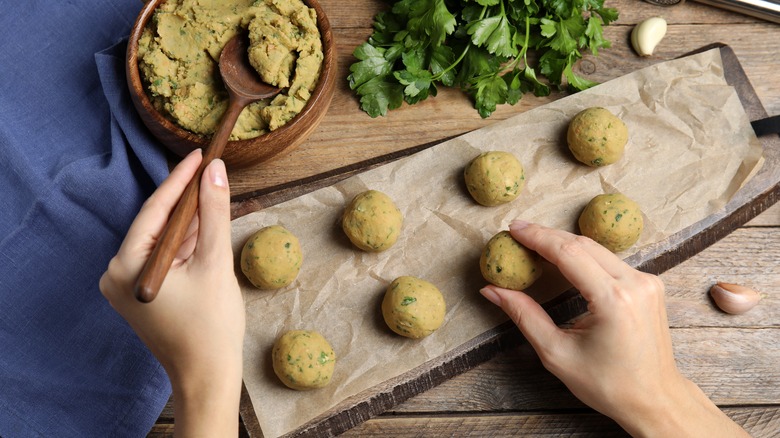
(76,163)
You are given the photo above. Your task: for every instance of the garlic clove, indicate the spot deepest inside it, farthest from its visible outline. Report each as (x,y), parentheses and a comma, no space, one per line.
(733,298)
(647,34)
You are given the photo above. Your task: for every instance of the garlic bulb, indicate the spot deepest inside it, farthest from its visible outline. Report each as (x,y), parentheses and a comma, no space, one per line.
(733,298)
(647,34)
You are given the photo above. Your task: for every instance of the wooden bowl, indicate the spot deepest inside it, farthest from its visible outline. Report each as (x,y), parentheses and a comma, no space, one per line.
(238,153)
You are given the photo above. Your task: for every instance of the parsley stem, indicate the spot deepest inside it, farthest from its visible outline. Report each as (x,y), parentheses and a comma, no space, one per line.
(451,66)
(462,54)
(524,50)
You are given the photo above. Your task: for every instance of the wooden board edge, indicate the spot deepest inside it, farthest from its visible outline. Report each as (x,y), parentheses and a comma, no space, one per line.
(246,203)
(757,420)
(565,307)
(384,396)
(689,242)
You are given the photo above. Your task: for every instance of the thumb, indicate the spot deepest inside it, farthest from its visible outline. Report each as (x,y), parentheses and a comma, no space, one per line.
(214,213)
(535,324)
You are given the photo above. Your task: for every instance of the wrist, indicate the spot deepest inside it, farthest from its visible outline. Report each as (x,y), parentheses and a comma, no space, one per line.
(659,413)
(206,401)
(681,409)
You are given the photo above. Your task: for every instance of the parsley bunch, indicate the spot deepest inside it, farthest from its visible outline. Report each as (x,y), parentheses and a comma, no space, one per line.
(480,46)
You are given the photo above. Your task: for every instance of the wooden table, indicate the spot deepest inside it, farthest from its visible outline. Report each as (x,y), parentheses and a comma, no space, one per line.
(734,359)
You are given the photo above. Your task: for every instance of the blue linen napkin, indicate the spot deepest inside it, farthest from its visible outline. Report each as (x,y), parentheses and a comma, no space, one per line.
(75,166)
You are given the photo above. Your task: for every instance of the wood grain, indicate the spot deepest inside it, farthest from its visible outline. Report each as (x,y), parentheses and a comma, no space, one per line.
(731,365)
(762,191)
(450,113)
(733,358)
(760,422)
(749,256)
(770,218)
(516,385)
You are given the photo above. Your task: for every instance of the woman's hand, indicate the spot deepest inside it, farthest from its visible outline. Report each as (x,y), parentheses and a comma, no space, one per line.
(195,326)
(618,358)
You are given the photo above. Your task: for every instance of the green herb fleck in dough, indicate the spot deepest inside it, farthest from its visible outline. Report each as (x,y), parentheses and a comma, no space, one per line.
(596,137)
(371,221)
(413,307)
(612,220)
(494,178)
(272,258)
(408,300)
(323,357)
(310,359)
(506,263)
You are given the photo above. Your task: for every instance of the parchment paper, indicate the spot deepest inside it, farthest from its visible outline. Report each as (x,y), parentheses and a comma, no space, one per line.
(690,148)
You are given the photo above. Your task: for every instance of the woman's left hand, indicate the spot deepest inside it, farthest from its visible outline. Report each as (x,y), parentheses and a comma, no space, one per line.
(195,326)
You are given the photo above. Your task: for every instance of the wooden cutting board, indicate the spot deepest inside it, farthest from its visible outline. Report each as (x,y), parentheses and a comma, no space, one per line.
(761,192)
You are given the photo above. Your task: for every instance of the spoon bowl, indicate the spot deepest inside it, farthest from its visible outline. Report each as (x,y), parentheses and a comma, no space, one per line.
(240,78)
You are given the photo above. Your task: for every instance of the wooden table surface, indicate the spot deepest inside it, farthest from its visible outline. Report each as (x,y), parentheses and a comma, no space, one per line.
(734,359)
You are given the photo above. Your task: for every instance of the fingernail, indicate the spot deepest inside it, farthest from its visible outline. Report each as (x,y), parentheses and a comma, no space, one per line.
(491,295)
(195,151)
(517,225)
(217,173)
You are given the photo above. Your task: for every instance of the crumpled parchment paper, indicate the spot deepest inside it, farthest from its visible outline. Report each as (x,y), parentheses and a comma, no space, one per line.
(690,149)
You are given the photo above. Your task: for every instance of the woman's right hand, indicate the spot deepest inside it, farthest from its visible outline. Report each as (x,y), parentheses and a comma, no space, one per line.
(618,358)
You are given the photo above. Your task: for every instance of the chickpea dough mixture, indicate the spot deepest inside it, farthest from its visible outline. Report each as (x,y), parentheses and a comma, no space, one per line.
(179,53)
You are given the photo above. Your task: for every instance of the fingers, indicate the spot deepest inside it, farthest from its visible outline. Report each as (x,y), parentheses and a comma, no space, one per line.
(214,214)
(605,258)
(188,244)
(124,268)
(535,324)
(153,216)
(578,261)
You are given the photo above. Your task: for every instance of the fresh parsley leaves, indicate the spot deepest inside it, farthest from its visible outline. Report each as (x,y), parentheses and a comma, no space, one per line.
(480,46)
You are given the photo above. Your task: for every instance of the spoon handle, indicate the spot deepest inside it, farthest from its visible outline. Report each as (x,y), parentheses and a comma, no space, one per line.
(158,264)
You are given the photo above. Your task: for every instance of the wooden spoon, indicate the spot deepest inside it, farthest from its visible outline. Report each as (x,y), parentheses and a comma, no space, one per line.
(244,87)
